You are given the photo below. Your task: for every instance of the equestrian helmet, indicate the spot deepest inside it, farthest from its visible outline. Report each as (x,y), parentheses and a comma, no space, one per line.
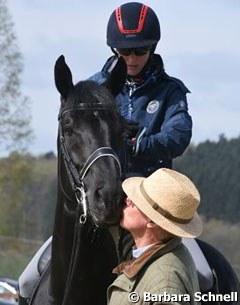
(133,25)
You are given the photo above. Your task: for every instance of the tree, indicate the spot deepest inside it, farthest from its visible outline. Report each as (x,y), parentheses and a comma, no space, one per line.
(16,176)
(28,195)
(15,131)
(214,168)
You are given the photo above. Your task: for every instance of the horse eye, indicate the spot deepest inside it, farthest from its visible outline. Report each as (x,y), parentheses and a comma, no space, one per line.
(68,131)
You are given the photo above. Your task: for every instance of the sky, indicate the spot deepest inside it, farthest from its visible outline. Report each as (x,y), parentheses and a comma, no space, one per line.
(199,44)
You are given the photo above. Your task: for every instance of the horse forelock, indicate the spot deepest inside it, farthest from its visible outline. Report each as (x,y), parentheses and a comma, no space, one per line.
(91,95)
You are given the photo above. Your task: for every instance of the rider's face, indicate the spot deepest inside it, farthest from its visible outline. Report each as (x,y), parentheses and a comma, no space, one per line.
(135,63)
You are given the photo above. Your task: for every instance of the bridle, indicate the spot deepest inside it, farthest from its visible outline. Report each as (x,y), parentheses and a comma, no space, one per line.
(76,178)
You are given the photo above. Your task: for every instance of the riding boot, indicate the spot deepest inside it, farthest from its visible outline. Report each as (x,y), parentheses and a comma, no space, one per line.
(22,301)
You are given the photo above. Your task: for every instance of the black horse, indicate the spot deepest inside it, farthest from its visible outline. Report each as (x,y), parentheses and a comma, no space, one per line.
(89,191)
(90,195)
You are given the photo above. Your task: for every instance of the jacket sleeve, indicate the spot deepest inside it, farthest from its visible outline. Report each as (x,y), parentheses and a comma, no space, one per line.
(99,77)
(102,76)
(175,133)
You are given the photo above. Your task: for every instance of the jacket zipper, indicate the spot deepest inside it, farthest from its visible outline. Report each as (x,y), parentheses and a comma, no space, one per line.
(132,89)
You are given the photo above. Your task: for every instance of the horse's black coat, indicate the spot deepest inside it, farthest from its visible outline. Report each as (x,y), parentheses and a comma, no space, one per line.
(226,280)
(85,130)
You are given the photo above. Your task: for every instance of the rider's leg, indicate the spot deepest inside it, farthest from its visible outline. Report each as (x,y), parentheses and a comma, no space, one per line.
(31,275)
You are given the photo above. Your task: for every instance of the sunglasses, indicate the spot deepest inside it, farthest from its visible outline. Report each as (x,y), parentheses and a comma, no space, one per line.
(137,51)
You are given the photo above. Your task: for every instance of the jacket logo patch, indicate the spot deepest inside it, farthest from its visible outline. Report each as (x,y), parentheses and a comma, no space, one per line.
(152,106)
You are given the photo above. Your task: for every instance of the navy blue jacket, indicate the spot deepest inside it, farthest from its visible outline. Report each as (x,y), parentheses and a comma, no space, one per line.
(159,105)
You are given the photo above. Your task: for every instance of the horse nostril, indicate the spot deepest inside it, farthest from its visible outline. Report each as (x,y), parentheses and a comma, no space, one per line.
(102,196)
(99,194)
(106,209)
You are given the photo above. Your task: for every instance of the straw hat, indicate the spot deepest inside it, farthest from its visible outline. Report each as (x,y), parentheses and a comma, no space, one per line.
(169,199)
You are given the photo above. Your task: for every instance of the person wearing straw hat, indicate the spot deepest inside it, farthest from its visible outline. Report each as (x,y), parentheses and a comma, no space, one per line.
(158,211)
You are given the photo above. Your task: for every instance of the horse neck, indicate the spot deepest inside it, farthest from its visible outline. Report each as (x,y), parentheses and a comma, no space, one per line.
(96,258)
(63,243)
(61,248)
(63,234)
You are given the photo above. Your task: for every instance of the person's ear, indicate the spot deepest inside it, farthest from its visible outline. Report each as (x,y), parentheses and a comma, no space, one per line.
(151,224)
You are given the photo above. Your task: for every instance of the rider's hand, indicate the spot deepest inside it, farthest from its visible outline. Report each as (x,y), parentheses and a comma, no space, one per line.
(130,146)
(131,128)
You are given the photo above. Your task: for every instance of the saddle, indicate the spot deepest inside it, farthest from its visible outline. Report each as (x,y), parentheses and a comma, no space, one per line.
(32,273)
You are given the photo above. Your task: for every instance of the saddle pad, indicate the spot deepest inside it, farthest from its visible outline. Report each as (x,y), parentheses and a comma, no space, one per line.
(45,256)
(31,275)
(205,275)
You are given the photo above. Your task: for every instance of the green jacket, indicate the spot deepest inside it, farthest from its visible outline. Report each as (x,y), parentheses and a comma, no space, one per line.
(164,271)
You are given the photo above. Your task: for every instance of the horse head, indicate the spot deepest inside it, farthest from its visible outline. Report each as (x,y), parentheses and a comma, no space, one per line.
(89,142)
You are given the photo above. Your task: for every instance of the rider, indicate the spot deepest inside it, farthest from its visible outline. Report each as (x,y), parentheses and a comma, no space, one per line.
(153,103)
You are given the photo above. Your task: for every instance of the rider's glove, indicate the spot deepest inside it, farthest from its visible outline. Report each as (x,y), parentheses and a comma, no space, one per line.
(134,143)
(131,128)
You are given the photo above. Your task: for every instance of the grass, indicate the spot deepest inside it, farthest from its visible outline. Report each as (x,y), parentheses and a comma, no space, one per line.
(224,237)
(15,254)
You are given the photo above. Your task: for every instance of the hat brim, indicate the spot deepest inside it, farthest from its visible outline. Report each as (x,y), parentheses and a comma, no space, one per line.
(122,44)
(131,187)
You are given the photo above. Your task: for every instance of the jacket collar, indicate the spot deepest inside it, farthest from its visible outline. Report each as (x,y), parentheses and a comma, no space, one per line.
(132,267)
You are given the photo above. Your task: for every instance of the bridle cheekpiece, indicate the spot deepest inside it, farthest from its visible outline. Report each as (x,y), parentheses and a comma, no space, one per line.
(76,178)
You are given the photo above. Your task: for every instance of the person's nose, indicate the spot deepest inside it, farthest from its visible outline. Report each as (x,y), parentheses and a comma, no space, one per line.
(132,58)
(128,201)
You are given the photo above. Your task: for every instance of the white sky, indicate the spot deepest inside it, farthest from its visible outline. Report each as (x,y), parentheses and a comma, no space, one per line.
(200,45)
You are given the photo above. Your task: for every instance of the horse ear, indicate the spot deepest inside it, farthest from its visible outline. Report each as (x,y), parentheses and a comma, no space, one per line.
(63,76)
(118,74)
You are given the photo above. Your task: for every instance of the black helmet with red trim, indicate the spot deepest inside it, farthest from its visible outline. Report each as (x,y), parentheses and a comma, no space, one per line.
(133,25)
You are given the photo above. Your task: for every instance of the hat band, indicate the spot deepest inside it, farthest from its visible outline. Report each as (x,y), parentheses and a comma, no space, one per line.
(157,208)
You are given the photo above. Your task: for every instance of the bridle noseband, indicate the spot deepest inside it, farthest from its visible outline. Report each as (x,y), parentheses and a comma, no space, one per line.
(76,178)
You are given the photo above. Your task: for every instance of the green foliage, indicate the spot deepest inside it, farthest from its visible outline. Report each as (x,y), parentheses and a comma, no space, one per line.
(27,203)
(224,237)
(15,254)
(27,196)
(214,168)
(15,177)
(15,131)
